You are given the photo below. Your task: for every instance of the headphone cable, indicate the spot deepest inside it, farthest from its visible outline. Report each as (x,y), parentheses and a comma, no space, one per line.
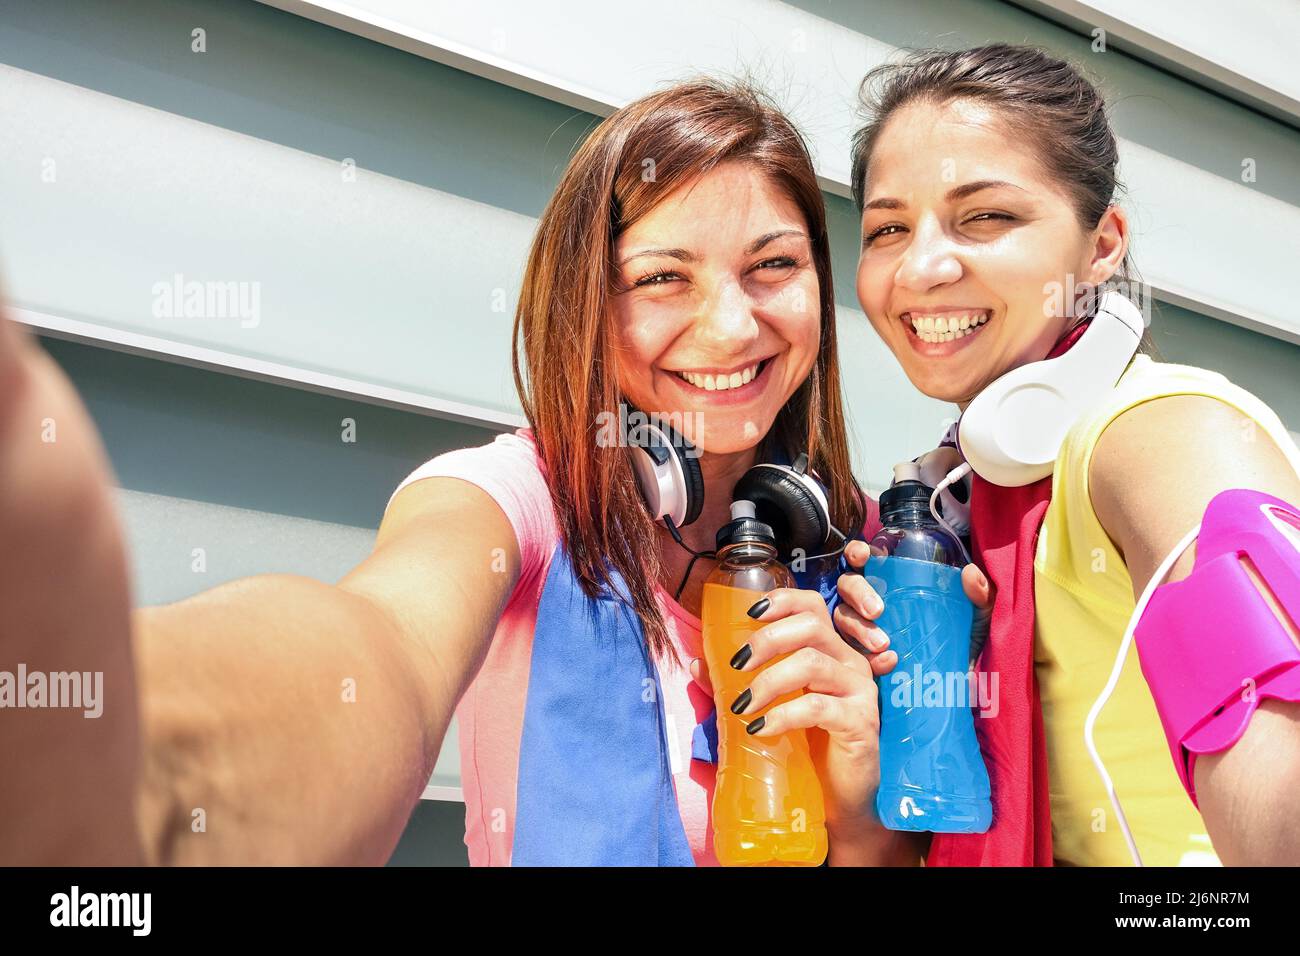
(695,555)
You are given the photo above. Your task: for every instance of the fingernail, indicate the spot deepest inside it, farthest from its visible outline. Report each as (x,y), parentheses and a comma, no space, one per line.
(874,605)
(754,726)
(759,608)
(741,702)
(741,657)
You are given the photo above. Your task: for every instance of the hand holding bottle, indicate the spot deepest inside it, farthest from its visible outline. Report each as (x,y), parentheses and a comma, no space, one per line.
(860,606)
(797,649)
(840,705)
(932,774)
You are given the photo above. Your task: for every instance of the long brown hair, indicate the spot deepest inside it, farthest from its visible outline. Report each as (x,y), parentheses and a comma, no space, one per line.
(630,163)
(1046,101)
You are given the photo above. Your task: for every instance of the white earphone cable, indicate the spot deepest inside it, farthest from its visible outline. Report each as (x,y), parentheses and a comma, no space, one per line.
(957,474)
(1090,724)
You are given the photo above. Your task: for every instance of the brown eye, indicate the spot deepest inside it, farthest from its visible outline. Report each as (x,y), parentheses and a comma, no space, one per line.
(662,277)
(775,268)
(881,233)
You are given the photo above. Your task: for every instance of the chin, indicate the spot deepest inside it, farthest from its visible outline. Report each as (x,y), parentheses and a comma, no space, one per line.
(939,381)
(728,434)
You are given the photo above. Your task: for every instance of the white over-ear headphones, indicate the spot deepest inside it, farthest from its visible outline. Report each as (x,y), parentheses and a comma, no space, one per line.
(667,467)
(790,499)
(1011,433)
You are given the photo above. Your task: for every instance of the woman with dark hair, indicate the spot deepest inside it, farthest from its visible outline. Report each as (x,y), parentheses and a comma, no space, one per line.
(986,179)
(681,267)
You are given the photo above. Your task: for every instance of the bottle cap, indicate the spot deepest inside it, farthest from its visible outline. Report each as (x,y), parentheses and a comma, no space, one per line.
(906,471)
(744,527)
(906,495)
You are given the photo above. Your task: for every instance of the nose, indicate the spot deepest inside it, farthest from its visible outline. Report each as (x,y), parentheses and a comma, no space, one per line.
(929,260)
(725,324)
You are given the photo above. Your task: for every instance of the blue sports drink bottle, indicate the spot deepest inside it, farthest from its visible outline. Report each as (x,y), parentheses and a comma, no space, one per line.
(932,776)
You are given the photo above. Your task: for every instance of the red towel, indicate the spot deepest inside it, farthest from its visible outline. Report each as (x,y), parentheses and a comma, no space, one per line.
(1004,534)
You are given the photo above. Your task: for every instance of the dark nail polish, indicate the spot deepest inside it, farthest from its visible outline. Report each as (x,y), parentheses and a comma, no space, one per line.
(742,656)
(741,702)
(760,608)
(754,726)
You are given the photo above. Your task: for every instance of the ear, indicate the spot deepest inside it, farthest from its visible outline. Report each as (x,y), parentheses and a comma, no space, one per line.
(1109,244)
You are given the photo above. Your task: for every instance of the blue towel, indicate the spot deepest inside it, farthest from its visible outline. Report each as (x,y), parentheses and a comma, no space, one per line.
(595,783)
(595,786)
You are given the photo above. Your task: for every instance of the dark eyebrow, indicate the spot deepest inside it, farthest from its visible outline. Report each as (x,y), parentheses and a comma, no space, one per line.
(761,241)
(969,189)
(884,204)
(955,194)
(685,255)
(682,255)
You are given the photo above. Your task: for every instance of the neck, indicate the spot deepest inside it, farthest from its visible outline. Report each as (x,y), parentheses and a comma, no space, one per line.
(1062,343)
(721,472)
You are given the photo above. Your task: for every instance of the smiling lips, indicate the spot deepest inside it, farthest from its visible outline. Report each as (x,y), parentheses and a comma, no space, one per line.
(720,382)
(946,326)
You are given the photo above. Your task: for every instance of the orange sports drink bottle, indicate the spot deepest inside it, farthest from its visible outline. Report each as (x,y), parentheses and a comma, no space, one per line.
(767,800)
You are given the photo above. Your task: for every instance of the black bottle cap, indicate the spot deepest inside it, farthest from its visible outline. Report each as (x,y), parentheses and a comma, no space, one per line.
(744,527)
(906,496)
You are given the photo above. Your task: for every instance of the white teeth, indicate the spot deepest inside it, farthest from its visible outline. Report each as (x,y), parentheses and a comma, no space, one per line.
(947,328)
(721,383)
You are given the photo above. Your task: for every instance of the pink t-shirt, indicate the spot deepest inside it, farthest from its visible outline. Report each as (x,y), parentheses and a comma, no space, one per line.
(491,714)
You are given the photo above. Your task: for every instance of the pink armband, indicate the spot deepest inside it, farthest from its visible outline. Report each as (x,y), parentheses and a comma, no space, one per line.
(1206,690)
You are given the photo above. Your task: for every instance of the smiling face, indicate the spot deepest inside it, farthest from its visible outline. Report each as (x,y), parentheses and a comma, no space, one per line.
(717,317)
(970,249)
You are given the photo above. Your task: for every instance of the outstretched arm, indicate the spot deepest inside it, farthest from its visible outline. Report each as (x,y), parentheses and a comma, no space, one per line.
(272,719)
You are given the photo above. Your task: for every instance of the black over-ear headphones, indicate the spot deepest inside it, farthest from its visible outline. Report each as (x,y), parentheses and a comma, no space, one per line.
(788,498)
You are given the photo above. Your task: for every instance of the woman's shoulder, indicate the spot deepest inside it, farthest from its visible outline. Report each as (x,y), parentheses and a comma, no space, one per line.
(507,455)
(1144,382)
(1143,448)
(510,469)
(1147,380)
(1146,374)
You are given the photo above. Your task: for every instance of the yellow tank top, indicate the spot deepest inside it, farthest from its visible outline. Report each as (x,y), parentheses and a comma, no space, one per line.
(1084,598)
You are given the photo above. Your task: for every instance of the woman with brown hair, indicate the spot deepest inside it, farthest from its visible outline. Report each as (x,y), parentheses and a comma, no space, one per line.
(682,268)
